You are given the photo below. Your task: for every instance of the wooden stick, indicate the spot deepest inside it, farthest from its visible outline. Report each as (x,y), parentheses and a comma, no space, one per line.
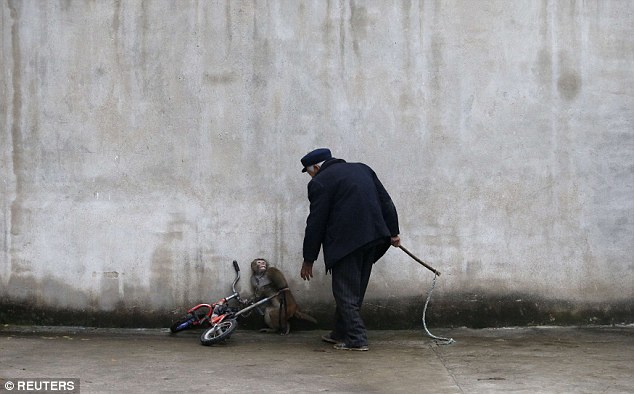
(432,269)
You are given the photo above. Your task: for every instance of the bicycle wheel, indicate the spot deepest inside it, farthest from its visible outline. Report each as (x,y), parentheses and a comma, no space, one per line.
(219,332)
(183,323)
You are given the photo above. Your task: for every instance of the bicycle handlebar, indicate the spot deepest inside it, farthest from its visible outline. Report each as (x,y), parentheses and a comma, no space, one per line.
(260,302)
(236,294)
(237,268)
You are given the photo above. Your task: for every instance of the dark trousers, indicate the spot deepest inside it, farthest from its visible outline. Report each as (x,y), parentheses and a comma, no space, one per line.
(350,277)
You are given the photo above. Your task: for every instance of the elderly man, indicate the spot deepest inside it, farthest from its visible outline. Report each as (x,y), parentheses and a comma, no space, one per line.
(352,216)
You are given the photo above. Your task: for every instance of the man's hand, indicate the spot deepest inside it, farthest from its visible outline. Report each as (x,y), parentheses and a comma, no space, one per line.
(307,270)
(395,241)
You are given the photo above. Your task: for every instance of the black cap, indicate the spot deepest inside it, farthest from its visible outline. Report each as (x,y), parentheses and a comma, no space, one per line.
(316,156)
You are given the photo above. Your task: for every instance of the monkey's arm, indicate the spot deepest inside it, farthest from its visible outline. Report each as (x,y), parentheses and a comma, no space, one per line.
(277,278)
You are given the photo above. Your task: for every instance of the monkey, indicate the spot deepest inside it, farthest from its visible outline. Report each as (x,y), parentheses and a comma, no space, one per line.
(266,281)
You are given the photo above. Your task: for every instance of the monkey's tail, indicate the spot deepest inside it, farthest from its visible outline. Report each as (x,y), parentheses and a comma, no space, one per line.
(304,316)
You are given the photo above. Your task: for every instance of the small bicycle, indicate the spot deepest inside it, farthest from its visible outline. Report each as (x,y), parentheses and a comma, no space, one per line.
(219,319)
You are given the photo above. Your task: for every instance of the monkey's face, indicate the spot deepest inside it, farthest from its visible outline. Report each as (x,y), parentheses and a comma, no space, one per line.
(259,266)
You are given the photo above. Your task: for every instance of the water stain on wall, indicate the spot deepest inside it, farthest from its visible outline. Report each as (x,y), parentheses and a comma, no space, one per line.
(45,292)
(358,25)
(16,119)
(220,78)
(569,85)
(448,310)
(111,289)
(161,275)
(544,67)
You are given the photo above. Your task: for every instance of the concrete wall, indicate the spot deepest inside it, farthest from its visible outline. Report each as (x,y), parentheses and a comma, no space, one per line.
(146,144)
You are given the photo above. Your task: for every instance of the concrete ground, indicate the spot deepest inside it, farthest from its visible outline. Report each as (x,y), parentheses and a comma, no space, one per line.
(530,360)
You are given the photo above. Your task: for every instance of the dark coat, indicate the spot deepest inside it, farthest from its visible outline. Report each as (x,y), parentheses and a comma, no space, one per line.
(349,208)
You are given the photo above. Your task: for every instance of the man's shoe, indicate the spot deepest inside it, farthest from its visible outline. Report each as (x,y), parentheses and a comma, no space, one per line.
(343,346)
(329,339)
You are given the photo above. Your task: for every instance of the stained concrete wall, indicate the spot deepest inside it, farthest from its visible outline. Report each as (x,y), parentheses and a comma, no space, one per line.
(147,144)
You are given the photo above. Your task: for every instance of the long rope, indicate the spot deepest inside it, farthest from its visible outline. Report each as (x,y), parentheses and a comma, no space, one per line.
(439,340)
